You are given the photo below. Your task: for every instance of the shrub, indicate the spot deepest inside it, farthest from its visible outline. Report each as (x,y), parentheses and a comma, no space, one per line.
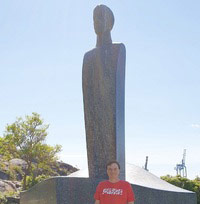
(31,180)
(185,183)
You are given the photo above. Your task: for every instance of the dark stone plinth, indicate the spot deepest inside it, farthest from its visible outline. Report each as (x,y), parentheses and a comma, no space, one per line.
(42,193)
(154,196)
(69,190)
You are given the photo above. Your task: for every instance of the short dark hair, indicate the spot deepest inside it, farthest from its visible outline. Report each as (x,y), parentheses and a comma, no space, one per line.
(113,162)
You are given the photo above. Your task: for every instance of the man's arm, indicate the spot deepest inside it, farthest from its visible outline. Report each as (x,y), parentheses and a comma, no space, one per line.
(128,202)
(98,202)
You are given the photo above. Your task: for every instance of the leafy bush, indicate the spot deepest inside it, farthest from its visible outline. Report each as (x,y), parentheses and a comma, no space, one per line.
(5,195)
(25,139)
(185,183)
(31,180)
(3,199)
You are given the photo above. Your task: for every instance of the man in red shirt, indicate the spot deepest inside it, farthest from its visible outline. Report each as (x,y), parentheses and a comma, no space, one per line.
(114,190)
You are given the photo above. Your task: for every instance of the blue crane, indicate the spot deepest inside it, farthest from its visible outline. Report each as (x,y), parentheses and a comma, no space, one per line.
(181,168)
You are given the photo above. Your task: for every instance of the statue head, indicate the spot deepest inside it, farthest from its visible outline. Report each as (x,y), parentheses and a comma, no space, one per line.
(103,19)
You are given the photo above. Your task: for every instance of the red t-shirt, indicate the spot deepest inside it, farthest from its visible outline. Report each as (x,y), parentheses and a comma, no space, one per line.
(114,193)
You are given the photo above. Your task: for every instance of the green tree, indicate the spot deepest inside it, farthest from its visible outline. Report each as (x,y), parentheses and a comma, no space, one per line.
(25,139)
(185,183)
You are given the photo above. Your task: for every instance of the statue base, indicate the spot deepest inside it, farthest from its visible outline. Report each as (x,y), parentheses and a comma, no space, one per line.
(75,189)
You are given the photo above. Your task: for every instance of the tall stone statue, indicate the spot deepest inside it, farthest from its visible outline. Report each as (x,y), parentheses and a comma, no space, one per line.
(103,96)
(103,81)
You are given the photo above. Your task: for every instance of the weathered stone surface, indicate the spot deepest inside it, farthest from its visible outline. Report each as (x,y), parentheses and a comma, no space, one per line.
(103,80)
(42,193)
(138,176)
(70,190)
(12,200)
(4,175)
(18,162)
(64,169)
(16,165)
(7,186)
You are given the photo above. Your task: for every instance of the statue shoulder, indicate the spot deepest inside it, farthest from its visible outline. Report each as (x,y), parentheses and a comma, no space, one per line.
(89,55)
(121,46)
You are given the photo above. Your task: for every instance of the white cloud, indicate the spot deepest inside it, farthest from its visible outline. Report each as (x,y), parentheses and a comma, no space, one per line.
(197,125)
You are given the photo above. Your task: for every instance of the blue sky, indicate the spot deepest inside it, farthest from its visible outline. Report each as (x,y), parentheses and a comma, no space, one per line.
(42,44)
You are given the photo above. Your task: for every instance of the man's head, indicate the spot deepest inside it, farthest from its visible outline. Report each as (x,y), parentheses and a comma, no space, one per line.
(103,19)
(113,169)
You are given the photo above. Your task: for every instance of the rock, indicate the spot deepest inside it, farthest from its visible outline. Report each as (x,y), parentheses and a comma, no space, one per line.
(64,169)
(60,169)
(13,200)
(16,167)
(17,184)
(18,162)
(3,175)
(7,186)
(4,164)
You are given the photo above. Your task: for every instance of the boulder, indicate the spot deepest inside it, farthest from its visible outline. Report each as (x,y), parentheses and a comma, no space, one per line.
(7,186)
(18,162)
(4,175)
(13,200)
